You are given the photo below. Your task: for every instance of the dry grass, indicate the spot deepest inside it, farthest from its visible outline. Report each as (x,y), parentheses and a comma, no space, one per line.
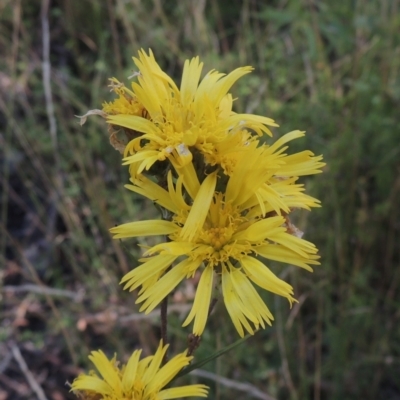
(329,68)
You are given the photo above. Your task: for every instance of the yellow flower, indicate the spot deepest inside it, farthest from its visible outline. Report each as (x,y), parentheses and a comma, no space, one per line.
(223,234)
(177,122)
(137,380)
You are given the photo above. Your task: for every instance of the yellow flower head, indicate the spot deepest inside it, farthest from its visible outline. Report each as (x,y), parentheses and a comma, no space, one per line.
(137,380)
(223,233)
(174,123)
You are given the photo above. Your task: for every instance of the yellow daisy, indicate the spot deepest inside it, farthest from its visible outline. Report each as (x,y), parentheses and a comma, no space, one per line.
(223,234)
(174,123)
(137,380)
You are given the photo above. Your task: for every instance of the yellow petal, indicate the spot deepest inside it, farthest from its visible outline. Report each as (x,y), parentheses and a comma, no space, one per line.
(176,193)
(142,155)
(154,192)
(234,306)
(201,302)
(129,376)
(155,363)
(174,248)
(263,229)
(184,391)
(153,267)
(200,208)
(165,285)
(190,180)
(144,228)
(132,122)
(284,139)
(190,79)
(170,370)
(221,88)
(106,369)
(263,277)
(282,254)
(256,309)
(92,383)
(299,246)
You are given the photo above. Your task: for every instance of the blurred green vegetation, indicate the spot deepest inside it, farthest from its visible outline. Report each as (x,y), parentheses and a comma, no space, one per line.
(330,68)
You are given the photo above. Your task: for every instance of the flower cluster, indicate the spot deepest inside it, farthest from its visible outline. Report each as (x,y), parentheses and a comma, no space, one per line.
(226,194)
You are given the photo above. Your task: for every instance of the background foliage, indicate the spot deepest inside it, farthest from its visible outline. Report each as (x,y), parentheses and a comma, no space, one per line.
(330,68)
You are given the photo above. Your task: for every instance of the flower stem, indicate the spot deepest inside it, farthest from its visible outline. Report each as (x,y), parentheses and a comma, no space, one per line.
(164,325)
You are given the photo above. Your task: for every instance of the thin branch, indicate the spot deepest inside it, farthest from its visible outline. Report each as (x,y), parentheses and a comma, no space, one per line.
(164,324)
(77,297)
(46,76)
(46,71)
(28,374)
(180,308)
(250,390)
(49,299)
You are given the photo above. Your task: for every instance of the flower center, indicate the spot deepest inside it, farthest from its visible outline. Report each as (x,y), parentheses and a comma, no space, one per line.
(217,237)
(223,221)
